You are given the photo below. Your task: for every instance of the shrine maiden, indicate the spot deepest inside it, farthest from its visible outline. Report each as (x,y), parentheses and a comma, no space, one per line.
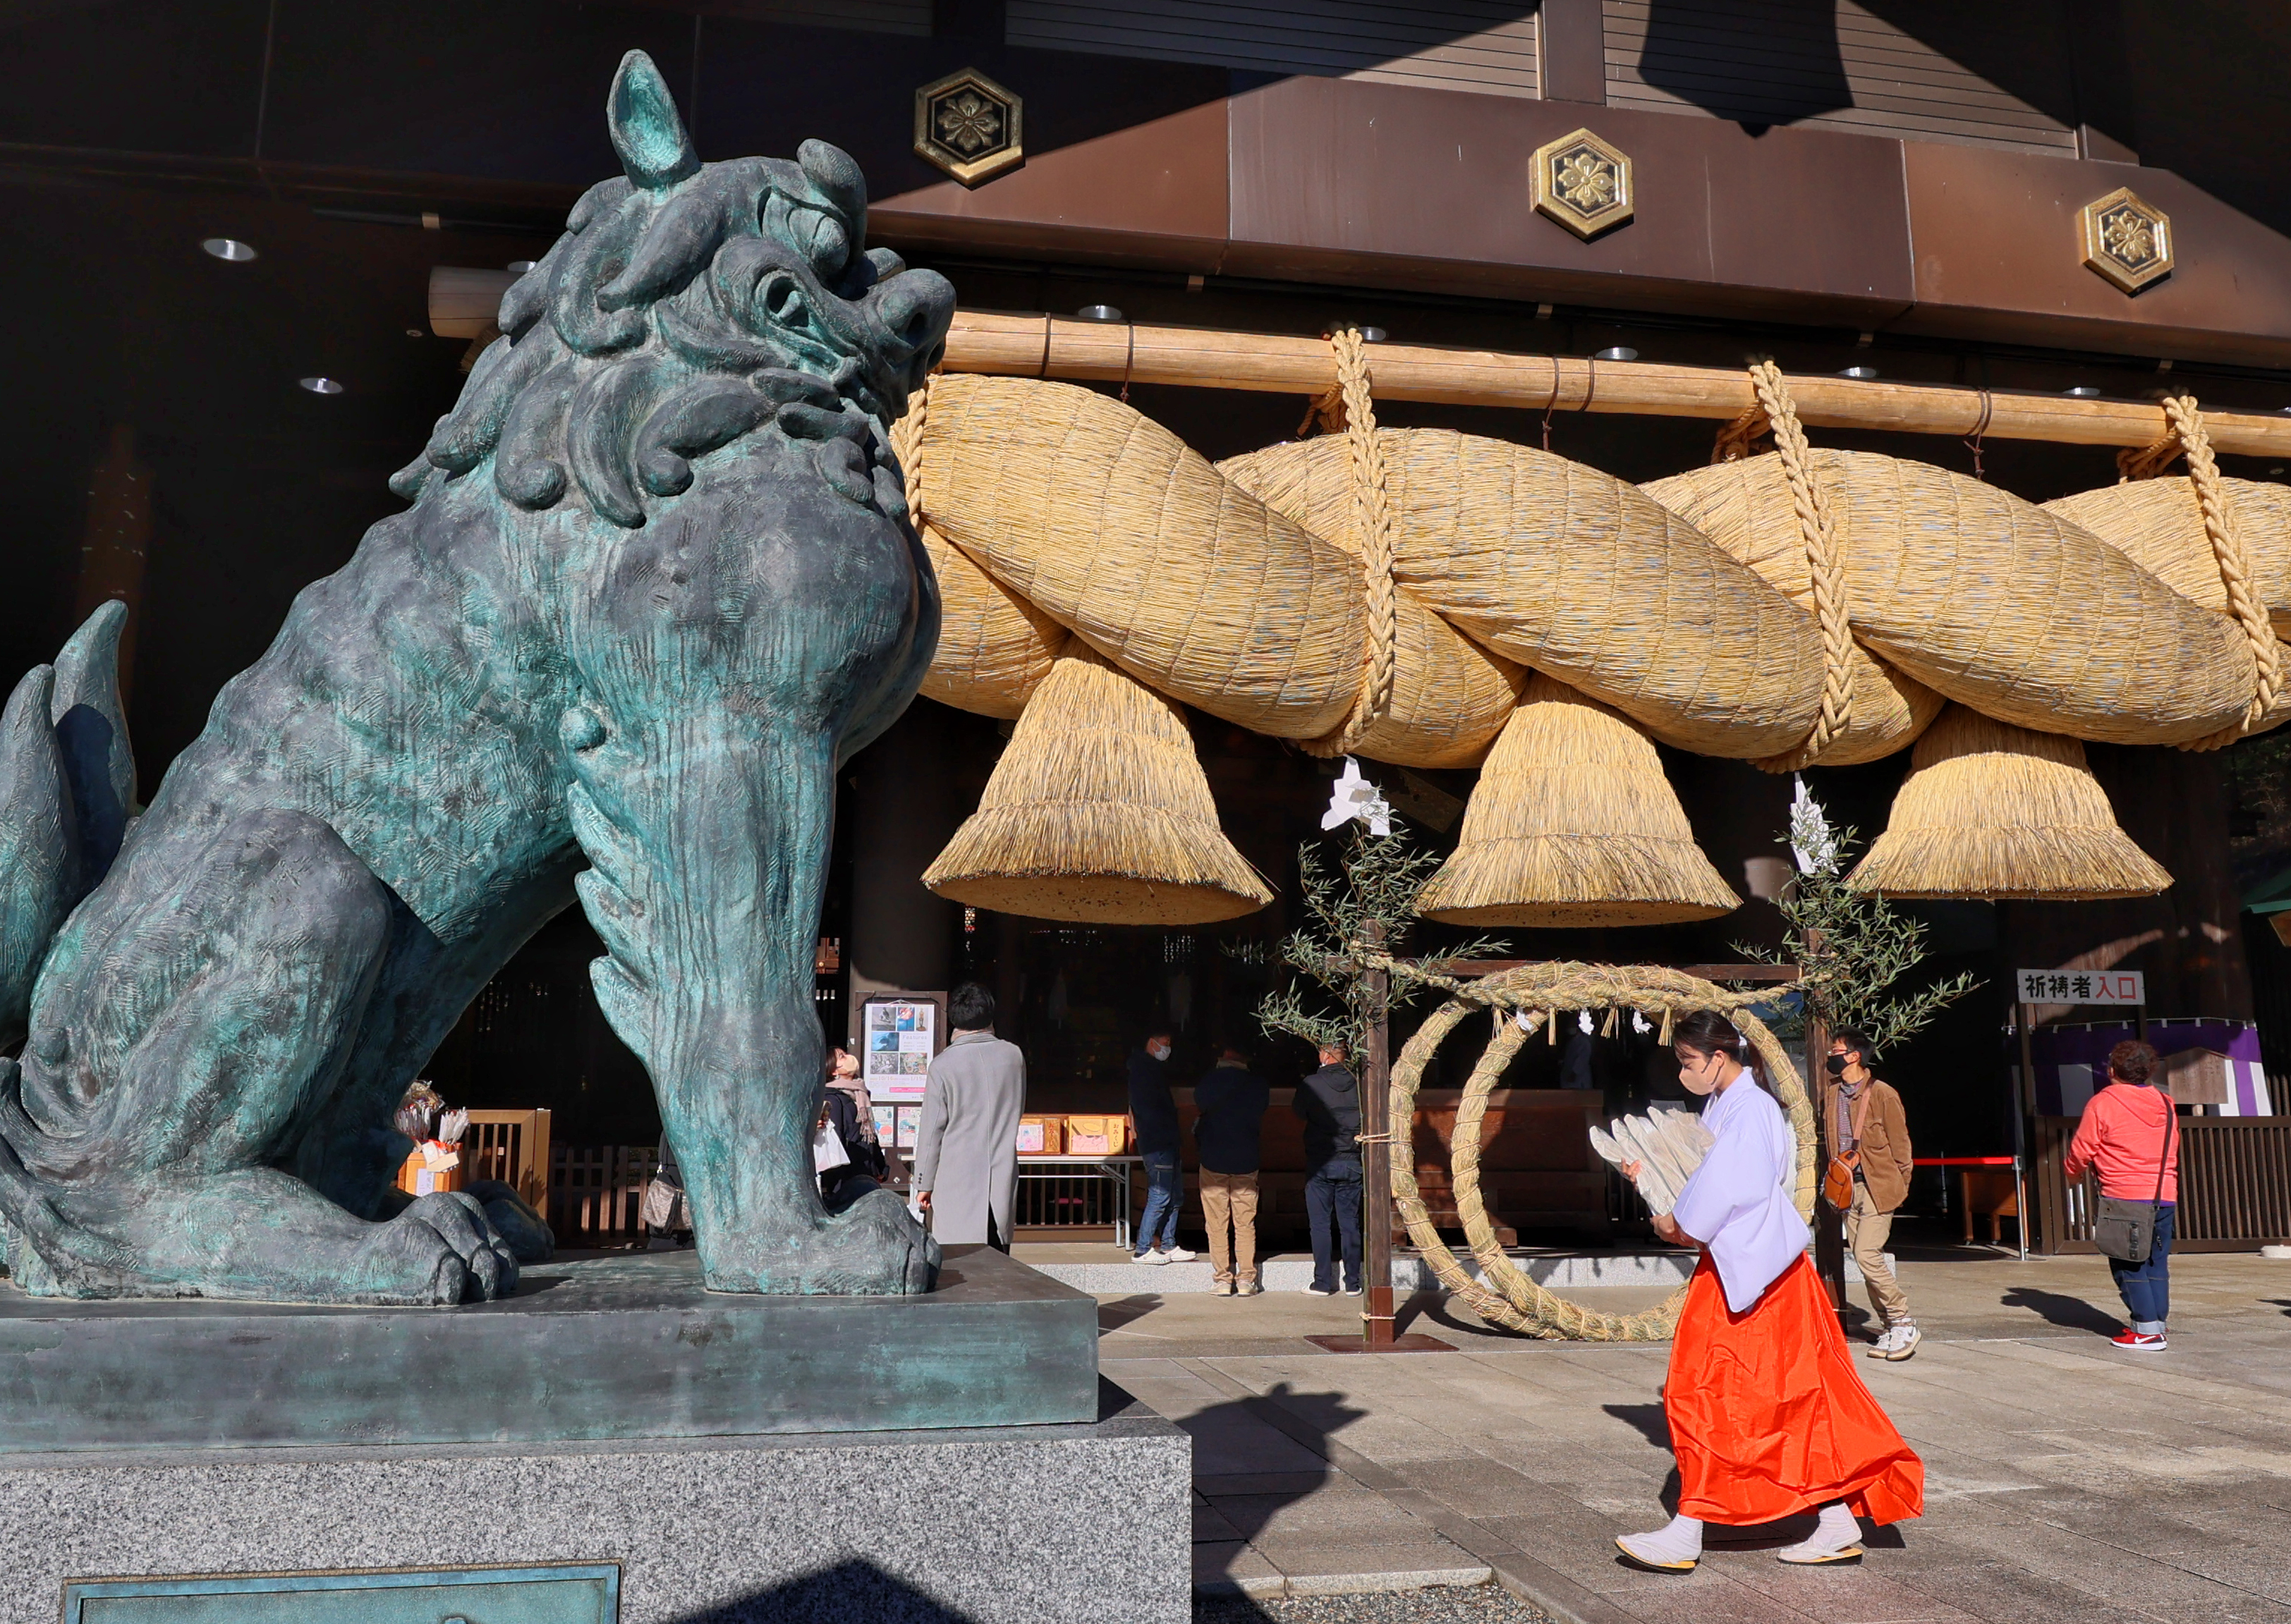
(1768,1417)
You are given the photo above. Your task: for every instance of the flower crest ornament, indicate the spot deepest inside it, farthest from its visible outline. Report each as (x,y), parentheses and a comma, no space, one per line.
(969,122)
(1587,180)
(1354,799)
(1812,843)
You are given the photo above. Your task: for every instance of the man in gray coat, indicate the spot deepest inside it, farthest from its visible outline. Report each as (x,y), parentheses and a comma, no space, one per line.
(966,1145)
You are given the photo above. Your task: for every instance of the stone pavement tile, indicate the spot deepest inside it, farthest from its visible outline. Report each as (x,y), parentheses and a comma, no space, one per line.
(1722,1602)
(1860,1594)
(2228,1610)
(2044,1548)
(1235,1570)
(1332,1514)
(1209,1524)
(1262,1483)
(1580,1548)
(1322,1567)
(1998,1592)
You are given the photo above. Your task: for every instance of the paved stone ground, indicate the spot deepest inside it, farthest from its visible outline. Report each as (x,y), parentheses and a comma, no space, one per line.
(2066,1481)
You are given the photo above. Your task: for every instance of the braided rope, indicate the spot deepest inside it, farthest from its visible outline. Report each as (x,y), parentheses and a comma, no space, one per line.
(1739,438)
(1503,1295)
(1819,528)
(2235,568)
(907,446)
(1373,516)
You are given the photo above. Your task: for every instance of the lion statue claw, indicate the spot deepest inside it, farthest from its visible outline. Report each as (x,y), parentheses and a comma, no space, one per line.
(657,583)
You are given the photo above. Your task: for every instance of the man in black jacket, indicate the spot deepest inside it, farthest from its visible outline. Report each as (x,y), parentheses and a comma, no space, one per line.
(1155,1115)
(1231,1105)
(1329,1100)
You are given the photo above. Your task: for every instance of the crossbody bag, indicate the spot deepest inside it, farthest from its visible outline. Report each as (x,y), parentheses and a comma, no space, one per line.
(2126,1231)
(1838,1178)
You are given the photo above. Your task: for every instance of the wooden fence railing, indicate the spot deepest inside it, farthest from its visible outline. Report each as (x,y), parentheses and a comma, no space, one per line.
(512,1146)
(2235,1186)
(595,1192)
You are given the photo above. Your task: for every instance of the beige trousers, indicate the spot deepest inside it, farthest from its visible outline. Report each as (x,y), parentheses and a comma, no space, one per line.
(1866,1232)
(1231,1199)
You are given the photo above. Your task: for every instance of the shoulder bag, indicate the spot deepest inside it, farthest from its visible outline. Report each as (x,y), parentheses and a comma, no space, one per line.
(2126,1231)
(1838,1178)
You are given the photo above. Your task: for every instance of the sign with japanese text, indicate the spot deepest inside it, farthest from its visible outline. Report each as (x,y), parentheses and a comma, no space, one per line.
(2124,987)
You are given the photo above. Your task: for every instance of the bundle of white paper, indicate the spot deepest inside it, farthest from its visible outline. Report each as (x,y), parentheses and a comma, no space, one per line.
(1667,1143)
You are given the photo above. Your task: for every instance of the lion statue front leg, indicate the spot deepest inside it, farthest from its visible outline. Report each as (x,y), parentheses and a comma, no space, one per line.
(703,753)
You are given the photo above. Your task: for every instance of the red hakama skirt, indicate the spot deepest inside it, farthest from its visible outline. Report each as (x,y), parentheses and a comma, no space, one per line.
(1768,1416)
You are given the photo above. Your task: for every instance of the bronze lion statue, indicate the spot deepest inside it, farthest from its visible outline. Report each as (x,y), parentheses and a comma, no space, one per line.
(657,581)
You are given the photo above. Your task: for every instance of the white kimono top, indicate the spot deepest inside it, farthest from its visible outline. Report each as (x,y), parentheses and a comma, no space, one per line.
(1738,1201)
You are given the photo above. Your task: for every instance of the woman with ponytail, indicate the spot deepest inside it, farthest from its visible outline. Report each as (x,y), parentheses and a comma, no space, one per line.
(1768,1417)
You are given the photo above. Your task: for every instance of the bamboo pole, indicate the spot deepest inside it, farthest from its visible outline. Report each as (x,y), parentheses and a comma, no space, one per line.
(1054,346)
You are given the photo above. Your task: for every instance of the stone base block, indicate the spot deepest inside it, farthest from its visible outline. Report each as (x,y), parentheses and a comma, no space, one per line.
(1005,1525)
(630,1347)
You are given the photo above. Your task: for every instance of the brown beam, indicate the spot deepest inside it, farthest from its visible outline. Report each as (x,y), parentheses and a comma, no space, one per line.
(1051,347)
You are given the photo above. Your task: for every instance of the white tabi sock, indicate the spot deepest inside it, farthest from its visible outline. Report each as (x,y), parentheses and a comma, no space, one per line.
(1678,1543)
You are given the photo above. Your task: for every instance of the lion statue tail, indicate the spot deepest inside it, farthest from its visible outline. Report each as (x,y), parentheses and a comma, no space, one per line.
(67,796)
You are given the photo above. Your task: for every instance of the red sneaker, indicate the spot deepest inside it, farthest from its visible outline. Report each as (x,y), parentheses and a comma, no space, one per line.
(2139,1341)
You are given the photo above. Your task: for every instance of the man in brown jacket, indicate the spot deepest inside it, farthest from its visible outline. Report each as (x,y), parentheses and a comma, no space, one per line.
(1868,1126)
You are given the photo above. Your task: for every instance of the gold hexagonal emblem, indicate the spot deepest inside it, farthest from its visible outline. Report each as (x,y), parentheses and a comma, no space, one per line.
(2126,240)
(1584,183)
(969,126)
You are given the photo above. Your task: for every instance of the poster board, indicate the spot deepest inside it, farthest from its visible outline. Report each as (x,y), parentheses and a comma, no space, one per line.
(900,1033)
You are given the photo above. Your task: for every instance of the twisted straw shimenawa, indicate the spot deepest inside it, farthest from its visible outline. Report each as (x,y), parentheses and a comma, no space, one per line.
(1503,1295)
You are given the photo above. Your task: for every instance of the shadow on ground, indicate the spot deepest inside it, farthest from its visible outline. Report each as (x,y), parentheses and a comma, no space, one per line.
(2074,1313)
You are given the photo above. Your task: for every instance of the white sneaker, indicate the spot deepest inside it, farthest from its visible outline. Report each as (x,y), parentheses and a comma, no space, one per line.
(1906,1338)
(1836,1541)
(1320,1291)
(1674,1549)
(1151,1260)
(1178,1254)
(1889,1338)
(1220,1288)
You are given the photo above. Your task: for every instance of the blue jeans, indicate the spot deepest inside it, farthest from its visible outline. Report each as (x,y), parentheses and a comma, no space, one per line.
(1158,1229)
(1332,1204)
(2147,1287)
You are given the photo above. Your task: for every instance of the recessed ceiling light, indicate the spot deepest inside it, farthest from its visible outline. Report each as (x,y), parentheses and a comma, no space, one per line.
(229,248)
(1372,335)
(1097,313)
(519,265)
(1859,372)
(2084,391)
(321,386)
(1617,352)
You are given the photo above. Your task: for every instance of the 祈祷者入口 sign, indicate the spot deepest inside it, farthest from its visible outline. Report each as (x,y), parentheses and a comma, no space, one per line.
(2124,987)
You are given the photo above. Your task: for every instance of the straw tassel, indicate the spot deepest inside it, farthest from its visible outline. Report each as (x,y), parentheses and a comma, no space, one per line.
(1098,811)
(1574,824)
(1992,810)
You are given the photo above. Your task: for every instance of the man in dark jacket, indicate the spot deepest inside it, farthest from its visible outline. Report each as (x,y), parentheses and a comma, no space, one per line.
(1155,1115)
(1329,1102)
(1230,1103)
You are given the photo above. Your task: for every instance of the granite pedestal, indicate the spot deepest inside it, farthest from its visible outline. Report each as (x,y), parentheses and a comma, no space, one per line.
(612,1416)
(627,1347)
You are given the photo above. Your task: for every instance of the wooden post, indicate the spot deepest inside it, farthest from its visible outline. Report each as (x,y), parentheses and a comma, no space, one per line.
(1828,1222)
(2024,1108)
(1376,1163)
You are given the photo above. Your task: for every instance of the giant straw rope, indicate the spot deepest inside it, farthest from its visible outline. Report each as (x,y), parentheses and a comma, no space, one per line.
(1377,592)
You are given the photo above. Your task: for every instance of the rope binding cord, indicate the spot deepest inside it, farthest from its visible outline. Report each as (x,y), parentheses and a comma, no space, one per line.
(2184,435)
(1372,520)
(1818,527)
(1980,428)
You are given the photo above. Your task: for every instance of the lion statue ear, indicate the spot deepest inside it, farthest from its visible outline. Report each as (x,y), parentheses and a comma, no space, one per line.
(646,130)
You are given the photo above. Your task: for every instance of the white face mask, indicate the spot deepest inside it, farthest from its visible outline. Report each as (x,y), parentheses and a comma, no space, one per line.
(1160,1051)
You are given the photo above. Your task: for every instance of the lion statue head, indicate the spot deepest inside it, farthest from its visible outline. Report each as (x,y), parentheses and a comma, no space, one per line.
(685,305)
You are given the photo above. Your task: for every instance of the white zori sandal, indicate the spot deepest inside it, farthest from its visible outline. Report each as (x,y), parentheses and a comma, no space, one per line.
(1836,1541)
(1672,1549)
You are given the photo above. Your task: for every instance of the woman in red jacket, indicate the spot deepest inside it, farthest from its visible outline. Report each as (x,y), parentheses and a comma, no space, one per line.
(2128,1133)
